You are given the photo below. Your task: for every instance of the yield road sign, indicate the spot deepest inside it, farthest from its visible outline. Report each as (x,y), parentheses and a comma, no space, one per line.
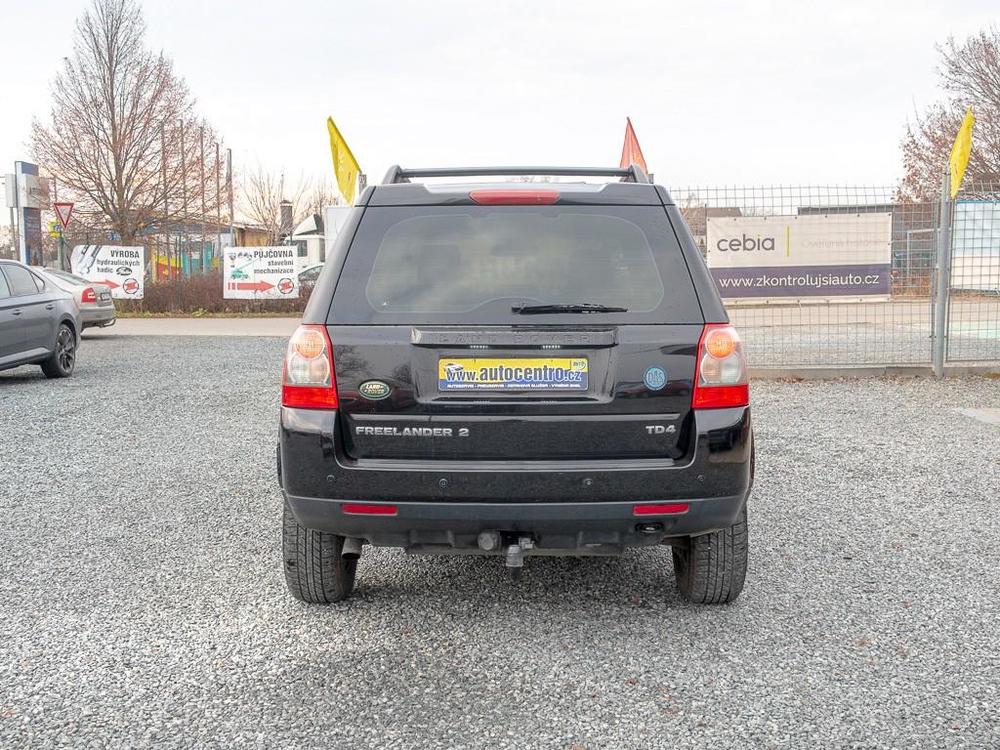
(63,212)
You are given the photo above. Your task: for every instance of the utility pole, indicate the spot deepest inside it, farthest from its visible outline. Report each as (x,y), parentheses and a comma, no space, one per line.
(15,242)
(61,258)
(229,180)
(201,136)
(19,255)
(943,285)
(166,204)
(218,207)
(185,267)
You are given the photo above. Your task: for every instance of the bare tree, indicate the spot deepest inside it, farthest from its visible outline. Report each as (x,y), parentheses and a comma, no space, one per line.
(260,196)
(262,193)
(969,74)
(318,196)
(123,138)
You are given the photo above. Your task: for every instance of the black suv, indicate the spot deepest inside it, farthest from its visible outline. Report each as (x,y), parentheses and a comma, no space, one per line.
(514,369)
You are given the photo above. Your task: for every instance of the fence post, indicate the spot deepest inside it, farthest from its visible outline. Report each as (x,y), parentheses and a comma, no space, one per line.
(943,285)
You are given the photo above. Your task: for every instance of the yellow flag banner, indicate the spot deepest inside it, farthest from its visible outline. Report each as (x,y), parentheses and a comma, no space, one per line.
(345,166)
(960,152)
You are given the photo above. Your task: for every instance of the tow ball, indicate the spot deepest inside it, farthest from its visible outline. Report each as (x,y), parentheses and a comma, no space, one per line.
(490,541)
(515,556)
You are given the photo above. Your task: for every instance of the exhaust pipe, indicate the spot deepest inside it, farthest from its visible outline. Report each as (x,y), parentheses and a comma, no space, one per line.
(351,549)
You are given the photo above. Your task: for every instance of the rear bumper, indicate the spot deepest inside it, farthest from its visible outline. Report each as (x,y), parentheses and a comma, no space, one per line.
(561,504)
(97,316)
(441,527)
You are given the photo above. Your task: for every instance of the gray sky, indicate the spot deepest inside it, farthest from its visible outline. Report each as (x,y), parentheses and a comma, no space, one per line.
(720,93)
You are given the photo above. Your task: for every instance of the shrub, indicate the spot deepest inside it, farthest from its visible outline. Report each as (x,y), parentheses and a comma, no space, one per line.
(201,294)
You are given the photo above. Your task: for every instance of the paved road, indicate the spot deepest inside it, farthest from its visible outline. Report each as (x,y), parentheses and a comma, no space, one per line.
(142,600)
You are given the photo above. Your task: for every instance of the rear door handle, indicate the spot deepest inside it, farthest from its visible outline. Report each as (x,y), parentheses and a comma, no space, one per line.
(50,306)
(15,312)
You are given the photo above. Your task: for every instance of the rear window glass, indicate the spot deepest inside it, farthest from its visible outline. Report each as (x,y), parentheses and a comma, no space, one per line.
(471,264)
(69,277)
(21,280)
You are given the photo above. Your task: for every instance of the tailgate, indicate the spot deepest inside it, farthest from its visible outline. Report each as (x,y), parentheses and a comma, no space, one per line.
(402,397)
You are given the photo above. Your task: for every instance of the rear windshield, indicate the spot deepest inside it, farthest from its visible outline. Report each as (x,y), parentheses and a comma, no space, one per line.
(68,277)
(472,264)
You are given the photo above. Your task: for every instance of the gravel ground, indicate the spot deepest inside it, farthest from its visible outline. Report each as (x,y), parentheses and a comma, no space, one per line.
(142,600)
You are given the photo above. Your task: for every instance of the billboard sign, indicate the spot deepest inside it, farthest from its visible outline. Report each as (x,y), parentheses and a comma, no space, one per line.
(264,273)
(33,191)
(31,194)
(121,269)
(806,256)
(10,190)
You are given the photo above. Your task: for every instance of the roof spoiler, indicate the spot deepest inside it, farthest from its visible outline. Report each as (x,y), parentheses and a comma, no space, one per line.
(633,173)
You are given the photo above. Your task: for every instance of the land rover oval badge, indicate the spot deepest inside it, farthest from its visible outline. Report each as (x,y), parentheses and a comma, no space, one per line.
(374,390)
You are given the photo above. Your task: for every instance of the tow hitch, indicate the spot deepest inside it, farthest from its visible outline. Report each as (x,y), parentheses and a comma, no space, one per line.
(515,556)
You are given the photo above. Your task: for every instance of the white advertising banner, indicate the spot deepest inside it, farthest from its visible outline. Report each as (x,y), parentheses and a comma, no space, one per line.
(260,273)
(810,255)
(121,269)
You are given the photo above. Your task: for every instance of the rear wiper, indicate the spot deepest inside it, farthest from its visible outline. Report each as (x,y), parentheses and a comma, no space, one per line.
(585,307)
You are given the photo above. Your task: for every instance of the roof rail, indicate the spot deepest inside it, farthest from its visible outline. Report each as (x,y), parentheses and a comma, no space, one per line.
(397,174)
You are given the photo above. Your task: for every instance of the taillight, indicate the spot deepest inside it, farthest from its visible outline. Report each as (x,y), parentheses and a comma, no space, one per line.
(308,381)
(514,197)
(721,378)
(89,295)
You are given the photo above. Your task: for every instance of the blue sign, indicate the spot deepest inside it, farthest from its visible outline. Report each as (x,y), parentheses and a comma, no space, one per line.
(655,378)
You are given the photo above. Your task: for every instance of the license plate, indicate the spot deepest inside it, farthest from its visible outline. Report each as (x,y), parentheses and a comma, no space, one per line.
(502,374)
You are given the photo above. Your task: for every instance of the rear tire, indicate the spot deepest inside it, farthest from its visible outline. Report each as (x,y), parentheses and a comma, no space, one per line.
(713,567)
(63,359)
(315,571)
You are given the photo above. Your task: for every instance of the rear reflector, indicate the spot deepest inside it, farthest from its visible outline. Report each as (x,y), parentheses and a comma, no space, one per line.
(514,197)
(368,509)
(721,396)
(662,509)
(308,397)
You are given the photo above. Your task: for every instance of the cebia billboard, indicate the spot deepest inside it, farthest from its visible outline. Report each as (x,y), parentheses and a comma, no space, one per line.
(811,256)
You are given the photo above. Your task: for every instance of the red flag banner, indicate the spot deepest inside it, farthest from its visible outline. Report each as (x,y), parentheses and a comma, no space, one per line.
(631,153)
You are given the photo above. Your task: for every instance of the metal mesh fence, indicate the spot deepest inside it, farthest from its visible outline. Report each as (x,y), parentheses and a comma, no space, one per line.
(974,300)
(844,276)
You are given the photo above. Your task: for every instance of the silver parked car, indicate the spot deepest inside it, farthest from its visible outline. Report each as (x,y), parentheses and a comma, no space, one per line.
(39,322)
(94,300)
